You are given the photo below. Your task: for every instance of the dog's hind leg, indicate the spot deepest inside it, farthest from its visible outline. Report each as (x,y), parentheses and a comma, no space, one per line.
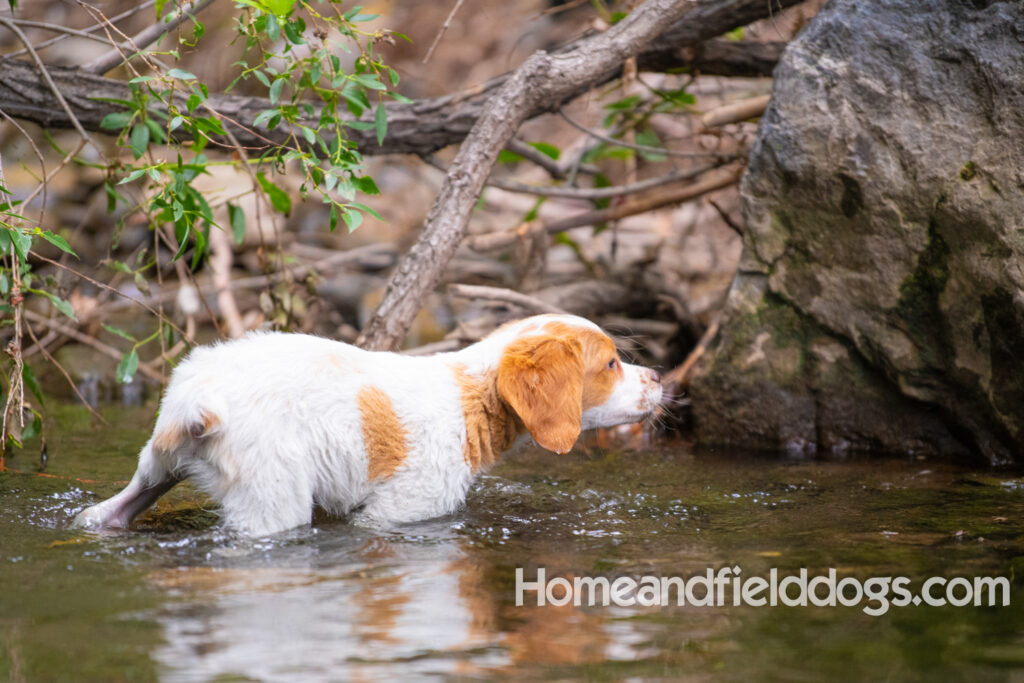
(152,479)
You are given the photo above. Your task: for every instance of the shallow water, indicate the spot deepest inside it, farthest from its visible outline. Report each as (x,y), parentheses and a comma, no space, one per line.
(181,599)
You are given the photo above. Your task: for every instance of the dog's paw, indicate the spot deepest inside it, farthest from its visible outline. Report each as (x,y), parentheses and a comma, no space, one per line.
(94,518)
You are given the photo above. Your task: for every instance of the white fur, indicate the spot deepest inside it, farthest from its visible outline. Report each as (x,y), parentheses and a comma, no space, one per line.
(288,431)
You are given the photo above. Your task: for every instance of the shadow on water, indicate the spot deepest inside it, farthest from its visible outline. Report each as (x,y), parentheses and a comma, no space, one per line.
(181,599)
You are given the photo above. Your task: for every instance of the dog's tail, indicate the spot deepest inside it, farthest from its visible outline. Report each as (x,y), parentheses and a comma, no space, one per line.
(170,437)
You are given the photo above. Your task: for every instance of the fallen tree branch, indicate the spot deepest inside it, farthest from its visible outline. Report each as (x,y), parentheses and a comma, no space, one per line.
(734,112)
(714,180)
(543,78)
(528,303)
(421,127)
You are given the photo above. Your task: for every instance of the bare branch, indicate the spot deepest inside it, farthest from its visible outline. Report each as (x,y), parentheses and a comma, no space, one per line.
(506,296)
(734,112)
(144,38)
(421,127)
(444,29)
(49,81)
(616,142)
(95,27)
(715,180)
(93,342)
(542,79)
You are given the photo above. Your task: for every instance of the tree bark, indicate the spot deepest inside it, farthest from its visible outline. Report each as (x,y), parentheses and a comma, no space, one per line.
(542,79)
(421,127)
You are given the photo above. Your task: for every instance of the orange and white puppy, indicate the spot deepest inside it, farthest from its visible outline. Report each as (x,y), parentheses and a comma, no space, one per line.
(272,424)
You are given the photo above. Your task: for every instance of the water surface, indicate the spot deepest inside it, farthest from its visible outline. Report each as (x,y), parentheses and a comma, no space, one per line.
(179,598)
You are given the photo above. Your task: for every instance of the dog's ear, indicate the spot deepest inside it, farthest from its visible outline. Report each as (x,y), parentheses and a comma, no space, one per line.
(541,378)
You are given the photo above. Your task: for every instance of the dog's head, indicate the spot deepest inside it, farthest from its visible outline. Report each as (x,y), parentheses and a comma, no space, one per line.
(562,374)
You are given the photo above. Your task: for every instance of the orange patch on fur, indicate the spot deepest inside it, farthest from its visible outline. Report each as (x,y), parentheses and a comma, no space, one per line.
(383,435)
(491,427)
(541,378)
(168,439)
(599,380)
(172,437)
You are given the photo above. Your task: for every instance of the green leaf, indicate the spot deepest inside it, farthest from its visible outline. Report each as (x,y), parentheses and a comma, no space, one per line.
(380,122)
(22,243)
(275,90)
(181,74)
(237,219)
(368,81)
(364,207)
(139,140)
(62,305)
(116,120)
(547,149)
(365,185)
(31,382)
(57,241)
(127,367)
(120,333)
(134,175)
(281,8)
(507,157)
(279,199)
(649,138)
(34,428)
(353,219)
(293,32)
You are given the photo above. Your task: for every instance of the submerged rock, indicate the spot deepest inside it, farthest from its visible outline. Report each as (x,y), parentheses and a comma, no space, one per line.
(880,298)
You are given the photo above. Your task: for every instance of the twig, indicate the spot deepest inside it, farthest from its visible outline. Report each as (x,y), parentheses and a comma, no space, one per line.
(587,192)
(339,259)
(94,27)
(141,40)
(679,378)
(105,349)
(715,180)
(443,346)
(49,81)
(505,296)
(112,290)
(71,383)
(540,159)
(57,28)
(444,29)
(39,155)
(632,145)
(735,112)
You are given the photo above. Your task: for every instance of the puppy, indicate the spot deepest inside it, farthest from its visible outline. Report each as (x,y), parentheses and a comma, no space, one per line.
(272,424)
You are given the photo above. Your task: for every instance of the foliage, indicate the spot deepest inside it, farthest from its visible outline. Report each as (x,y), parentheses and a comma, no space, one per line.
(171,134)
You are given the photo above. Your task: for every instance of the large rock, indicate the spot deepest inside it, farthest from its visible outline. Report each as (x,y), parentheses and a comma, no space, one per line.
(880,299)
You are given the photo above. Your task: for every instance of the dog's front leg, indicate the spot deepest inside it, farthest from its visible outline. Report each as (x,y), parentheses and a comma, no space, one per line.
(148,484)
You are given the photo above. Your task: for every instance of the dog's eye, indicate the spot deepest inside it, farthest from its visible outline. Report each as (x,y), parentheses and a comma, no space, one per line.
(611,364)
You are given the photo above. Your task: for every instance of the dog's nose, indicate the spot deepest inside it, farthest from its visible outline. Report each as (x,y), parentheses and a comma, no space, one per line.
(655,377)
